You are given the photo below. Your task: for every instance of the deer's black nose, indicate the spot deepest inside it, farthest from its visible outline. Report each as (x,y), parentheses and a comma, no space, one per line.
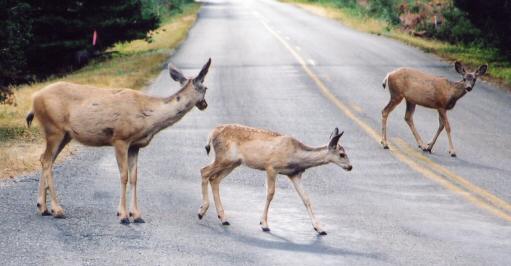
(202,105)
(349,168)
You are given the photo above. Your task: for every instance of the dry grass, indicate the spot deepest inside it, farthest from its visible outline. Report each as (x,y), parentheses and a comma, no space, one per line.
(366,24)
(130,65)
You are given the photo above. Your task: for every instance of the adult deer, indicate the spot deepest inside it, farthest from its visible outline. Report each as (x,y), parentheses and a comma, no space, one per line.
(430,91)
(123,118)
(236,145)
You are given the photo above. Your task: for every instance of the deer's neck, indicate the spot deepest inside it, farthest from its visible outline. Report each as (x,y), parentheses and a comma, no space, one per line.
(458,91)
(172,109)
(308,157)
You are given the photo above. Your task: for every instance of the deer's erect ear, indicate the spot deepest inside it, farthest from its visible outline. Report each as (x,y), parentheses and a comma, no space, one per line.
(334,139)
(482,69)
(459,68)
(203,72)
(176,75)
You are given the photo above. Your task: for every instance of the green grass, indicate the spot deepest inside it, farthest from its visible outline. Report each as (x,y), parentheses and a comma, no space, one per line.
(499,70)
(126,65)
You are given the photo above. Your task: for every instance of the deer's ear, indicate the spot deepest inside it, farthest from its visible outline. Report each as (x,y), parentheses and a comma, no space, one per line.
(334,139)
(459,68)
(176,75)
(482,69)
(203,72)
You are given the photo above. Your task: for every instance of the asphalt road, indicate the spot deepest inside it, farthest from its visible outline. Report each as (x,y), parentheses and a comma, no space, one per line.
(271,65)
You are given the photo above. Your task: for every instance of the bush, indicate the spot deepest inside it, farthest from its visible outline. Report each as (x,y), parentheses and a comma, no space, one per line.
(384,9)
(42,37)
(492,17)
(62,29)
(455,29)
(15,36)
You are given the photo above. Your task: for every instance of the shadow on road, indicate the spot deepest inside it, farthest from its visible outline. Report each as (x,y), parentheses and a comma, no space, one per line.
(279,242)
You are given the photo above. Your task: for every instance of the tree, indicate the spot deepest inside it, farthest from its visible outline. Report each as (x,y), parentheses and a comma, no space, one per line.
(43,37)
(62,28)
(492,18)
(15,28)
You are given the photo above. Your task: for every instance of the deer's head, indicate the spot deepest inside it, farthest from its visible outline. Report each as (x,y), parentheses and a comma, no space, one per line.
(336,153)
(197,83)
(469,78)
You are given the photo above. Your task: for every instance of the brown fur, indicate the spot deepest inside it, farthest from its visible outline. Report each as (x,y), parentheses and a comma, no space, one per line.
(419,88)
(269,151)
(123,118)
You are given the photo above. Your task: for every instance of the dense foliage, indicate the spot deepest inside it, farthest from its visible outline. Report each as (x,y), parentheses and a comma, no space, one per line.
(45,37)
(492,18)
(478,23)
(15,36)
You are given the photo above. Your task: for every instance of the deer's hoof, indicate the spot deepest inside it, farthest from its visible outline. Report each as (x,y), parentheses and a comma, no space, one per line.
(138,220)
(200,216)
(453,154)
(45,213)
(322,233)
(226,223)
(265,229)
(59,214)
(384,144)
(125,221)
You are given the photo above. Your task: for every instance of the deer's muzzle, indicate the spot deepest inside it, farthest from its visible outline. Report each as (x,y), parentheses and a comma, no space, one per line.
(202,104)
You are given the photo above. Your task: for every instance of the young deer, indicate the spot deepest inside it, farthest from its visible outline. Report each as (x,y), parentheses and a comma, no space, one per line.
(236,145)
(420,88)
(122,118)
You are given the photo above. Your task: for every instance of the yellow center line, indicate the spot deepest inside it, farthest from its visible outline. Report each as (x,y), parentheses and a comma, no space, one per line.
(482,193)
(356,107)
(441,175)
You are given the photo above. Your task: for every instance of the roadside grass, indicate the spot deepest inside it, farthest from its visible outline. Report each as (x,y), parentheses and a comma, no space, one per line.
(126,65)
(499,70)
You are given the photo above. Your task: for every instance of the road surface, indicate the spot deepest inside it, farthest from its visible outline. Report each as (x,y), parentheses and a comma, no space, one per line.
(279,67)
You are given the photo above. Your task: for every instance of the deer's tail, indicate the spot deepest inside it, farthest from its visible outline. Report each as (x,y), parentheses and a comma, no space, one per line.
(210,139)
(29,118)
(386,81)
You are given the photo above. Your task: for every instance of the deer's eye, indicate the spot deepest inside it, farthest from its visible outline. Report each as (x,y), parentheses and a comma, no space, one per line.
(342,155)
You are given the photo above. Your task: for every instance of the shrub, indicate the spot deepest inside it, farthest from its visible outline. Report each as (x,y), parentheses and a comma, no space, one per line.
(492,17)
(456,28)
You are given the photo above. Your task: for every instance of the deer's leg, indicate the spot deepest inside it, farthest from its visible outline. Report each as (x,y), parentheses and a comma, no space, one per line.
(215,187)
(297,182)
(410,109)
(206,174)
(271,178)
(394,101)
(133,174)
(448,129)
(441,123)
(55,142)
(121,154)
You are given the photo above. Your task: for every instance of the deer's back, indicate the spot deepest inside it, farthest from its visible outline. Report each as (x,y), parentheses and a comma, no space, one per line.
(253,147)
(419,87)
(91,115)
